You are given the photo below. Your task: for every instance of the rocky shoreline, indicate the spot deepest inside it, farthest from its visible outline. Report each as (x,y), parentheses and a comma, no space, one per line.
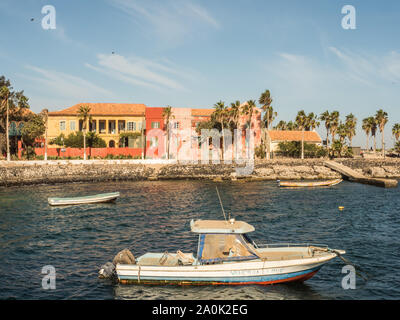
(39,172)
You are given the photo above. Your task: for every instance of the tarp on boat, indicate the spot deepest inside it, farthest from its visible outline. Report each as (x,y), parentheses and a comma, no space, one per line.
(219,247)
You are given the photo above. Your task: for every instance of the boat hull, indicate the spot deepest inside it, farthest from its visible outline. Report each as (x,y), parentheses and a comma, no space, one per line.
(99,198)
(240,273)
(292,184)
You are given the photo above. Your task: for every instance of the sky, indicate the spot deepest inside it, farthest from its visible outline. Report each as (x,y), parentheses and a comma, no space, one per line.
(188,53)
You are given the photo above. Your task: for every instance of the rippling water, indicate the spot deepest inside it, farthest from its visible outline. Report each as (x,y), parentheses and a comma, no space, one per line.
(155,216)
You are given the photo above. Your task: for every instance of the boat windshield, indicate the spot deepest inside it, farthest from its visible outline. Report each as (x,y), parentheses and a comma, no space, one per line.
(220,247)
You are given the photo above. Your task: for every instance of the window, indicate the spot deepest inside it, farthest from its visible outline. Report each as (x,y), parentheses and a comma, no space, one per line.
(72,125)
(176,125)
(62,125)
(155,125)
(154,142)
(131,126)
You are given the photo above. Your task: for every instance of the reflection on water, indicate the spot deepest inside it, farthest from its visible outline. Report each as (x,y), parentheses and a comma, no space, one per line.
(155,216)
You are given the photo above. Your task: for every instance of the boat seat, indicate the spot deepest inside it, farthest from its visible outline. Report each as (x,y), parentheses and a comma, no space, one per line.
(165,259)
(185,259)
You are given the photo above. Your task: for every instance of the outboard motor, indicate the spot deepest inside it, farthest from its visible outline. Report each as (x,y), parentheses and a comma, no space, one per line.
(107,271)
(123,257)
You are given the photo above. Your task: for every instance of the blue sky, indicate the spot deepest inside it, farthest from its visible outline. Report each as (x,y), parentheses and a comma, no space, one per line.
(188,53)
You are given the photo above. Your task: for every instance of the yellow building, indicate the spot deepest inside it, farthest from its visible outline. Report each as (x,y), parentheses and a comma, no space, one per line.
(108,120)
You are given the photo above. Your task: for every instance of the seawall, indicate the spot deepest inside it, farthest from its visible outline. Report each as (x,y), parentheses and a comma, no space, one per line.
(62,171)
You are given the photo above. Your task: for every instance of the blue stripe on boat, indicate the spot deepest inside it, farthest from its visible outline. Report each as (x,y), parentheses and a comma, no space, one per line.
(263,278)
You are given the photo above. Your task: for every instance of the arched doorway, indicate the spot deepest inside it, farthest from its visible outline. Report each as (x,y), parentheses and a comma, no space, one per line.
(111,144)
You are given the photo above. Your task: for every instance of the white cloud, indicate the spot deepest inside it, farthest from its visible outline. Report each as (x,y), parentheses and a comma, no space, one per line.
(64,85)
(346,81)
(168,20)
(369,69)
(139,71)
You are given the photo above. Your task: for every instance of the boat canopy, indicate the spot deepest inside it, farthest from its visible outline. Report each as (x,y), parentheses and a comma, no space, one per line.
(220,247)
(220,226)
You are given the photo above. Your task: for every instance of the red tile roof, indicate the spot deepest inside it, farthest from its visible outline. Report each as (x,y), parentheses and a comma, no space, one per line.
(288,135)
(105,109)
(202,112)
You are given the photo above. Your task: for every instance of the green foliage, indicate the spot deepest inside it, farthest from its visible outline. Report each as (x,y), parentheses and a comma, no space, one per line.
(293,149)
(75,140)
(397,147)
(260,151)
(32,129)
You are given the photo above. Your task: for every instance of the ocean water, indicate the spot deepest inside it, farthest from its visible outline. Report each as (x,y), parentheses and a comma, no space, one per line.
(155,216)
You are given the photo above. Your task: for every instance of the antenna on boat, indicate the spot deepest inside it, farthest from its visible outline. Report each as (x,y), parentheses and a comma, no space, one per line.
(220,202)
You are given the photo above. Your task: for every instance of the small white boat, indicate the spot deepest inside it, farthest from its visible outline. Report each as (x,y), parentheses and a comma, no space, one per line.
(294,184)
(227,256)
(104,197)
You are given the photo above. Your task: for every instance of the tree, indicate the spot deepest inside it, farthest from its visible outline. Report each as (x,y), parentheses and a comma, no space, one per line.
(326,117)
(334,123)
(269,116)
(32,129)
(84,115)
(221,115)
(76,140)
(374,126)
(381,120)
(312,121)
(302,122)
(12,105)
(366,126)
(167,116)
(396,131)
(282,125)
(45,115)
(351,122)
(234,114)
(5,93)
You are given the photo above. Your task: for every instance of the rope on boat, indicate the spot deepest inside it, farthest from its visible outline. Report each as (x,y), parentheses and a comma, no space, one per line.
(220,202)
(339,255)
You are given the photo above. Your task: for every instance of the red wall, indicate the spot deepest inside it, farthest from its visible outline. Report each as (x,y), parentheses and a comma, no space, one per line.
(93,152)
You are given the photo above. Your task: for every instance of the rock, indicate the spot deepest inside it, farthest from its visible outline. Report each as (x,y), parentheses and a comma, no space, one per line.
(376,172)
(107,270)
(392,171)
(124,257)
(303,169)
(264,172)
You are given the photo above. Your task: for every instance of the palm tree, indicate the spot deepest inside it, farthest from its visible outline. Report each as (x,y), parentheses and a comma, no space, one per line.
(366,126)
(45,115)
(234,113)
(396,131)
(326,117)
(221,114)
(351,122)
(302,121)
(167,115)
(374,126)
(381,119)
(312,121)
(84,115)
(334,123)
(265,100)
(282,125)
(4,94)
(248,109)
(291,126)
